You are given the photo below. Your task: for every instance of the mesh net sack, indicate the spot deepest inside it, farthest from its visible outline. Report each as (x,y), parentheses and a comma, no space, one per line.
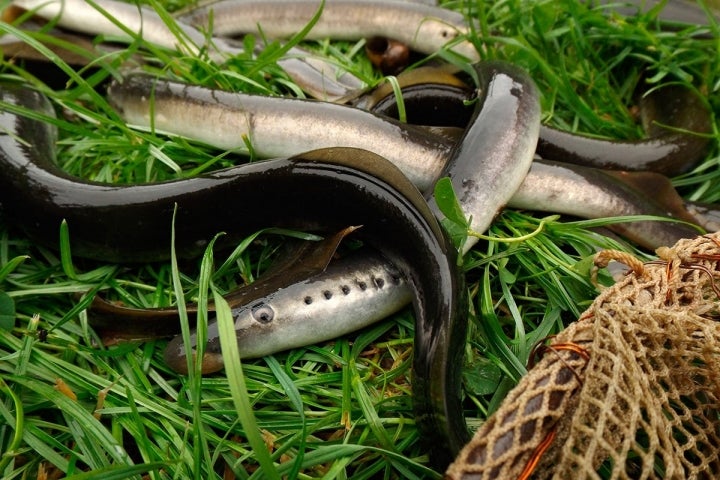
(629,391)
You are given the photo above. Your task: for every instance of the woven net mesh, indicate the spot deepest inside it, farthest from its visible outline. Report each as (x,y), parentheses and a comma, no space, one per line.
(629,391)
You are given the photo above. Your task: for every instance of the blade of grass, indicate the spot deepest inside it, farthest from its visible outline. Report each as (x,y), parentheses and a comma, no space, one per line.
(118,472)
(238,388)
(296,401)
(12,449)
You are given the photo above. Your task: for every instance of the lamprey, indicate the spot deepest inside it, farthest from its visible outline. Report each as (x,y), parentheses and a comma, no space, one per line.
(676,119)
(284,126)
(318,77)
(126,21)
(595,193)
(424,28)
(275,126)
(350,294)
(133,223)
(678,123)
(299,261)
(129,223)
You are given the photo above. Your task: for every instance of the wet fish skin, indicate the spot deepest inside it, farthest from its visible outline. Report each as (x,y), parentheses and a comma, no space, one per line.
(438,340)
(493,156)
(275,126)
(594,193)
(80,16)
(352,293)
(678,125)
(424,164)
(424,28)
(314,74)
(130,223)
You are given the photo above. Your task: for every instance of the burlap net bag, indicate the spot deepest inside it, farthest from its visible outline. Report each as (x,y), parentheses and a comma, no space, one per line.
(631,390)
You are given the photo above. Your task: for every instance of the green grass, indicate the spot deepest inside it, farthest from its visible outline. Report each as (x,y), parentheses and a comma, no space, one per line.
(340,409)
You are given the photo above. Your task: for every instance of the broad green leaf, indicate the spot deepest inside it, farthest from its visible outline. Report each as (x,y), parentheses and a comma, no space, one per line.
(448,203)
(483,378)
(455,222)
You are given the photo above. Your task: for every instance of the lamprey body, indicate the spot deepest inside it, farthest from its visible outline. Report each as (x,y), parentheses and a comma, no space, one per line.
(676,119)
(595,193)
(424,28)
(490,160)
(128,223)
(132,223)
(678,124)
(120,20)
(306,125)
(276,126)
(352,293)
(124,20)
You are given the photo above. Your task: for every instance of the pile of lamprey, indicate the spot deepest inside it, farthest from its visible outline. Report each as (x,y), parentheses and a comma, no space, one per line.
(630,390)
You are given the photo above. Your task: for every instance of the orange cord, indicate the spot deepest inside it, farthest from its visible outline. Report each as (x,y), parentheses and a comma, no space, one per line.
(537,455)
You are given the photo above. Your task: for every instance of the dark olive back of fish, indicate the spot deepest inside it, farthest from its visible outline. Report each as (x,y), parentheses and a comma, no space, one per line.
(317,189)
(132,222)
(430,104)
(670,151)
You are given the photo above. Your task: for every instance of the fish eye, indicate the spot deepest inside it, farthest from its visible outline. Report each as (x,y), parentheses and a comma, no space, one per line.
(263,313)
(449,34)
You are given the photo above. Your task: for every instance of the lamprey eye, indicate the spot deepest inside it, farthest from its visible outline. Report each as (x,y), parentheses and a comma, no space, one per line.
(263,313)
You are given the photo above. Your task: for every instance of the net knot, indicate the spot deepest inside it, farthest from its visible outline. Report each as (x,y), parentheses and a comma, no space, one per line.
(603,258)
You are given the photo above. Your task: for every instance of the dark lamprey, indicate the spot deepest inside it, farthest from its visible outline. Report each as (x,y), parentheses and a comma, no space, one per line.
(678,124)
(285,126)
(496,153)
(132,223)
(432,96)
(676,119)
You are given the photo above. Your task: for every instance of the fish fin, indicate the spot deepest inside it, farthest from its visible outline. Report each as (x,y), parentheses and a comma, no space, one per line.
(117,323)
(305,261)
(656,188)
